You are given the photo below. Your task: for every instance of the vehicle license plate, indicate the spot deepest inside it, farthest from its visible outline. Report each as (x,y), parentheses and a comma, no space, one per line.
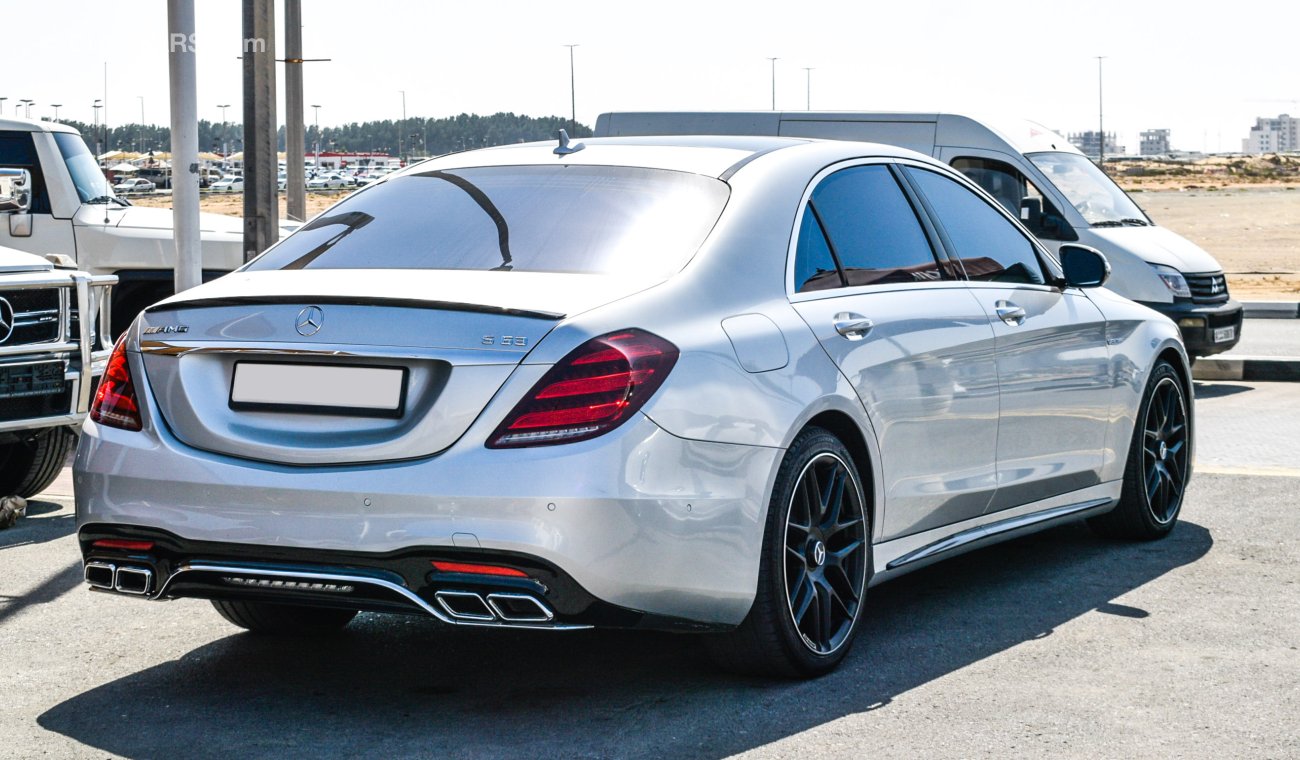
(26,380)
(319,389)
(1222,334)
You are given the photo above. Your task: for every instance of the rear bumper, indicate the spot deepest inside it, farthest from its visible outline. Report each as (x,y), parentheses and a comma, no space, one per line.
(635,526)
(1197,324)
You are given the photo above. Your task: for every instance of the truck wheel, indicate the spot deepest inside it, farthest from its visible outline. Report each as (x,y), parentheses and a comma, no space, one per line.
(30,464)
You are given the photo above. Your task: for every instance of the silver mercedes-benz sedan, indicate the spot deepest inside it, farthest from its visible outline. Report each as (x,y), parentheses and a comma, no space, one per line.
(705,384)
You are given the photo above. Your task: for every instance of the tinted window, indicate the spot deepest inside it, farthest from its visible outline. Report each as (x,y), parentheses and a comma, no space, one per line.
(1017,195)
(18,152)
(523,218)
(872,228)
(988,246)
(814,268)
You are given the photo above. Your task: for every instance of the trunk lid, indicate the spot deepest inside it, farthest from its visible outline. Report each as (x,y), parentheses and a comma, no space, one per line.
(449,339)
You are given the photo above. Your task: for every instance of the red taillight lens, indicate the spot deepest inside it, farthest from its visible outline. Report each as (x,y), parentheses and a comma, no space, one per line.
(593,390)
(473,568)
(115,403)
(123,543)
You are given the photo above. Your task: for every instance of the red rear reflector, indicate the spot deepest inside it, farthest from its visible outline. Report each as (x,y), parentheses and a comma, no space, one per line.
(122,543)
(593,390)
(472,568)
(115,403)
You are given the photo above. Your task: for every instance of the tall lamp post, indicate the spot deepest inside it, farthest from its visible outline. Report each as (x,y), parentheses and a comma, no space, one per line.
(1101,129)
(773,60)
(139,148)
(225,148)
(573,93)
(2,106)
(317,162)
(401,159)
(56,107)
(27,107)
(808,87)
(98,104)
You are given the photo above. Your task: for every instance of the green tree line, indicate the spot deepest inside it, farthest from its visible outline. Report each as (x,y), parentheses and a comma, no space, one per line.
(409,137)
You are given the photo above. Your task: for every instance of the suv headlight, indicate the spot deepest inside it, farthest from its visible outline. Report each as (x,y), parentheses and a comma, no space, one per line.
(1173,279)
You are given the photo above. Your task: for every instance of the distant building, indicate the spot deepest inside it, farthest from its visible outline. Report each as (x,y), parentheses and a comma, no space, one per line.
(1273,135)
(1154,142)
(1088,143)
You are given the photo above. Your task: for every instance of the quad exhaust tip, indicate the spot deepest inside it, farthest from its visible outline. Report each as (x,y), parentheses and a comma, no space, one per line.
(507,608)
(136,581)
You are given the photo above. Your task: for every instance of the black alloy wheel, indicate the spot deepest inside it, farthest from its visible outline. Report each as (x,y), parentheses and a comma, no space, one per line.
(1159,463)
(813,570)
(1164,450)
(825,554)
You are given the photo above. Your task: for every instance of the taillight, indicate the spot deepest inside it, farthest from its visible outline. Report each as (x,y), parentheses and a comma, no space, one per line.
(123,543)
(115,403)
(474,568)
(593,390)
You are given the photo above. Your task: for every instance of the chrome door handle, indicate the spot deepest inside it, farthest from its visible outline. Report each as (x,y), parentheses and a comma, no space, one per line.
(1010,313)
(852,326)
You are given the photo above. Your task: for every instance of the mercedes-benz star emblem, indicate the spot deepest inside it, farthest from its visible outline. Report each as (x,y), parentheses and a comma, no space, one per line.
(310,320)
(819,554)
(6,320)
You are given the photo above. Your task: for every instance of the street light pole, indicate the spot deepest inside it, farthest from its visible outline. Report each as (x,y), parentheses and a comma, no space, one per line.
(573,93)
(27,107)
(773,60)
(1101,129)
(139,147)
(808,87)
(2,106)
(400,157)
(225,145)
(317,162)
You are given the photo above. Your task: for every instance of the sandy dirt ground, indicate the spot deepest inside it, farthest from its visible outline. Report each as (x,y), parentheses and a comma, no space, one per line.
(1252,229)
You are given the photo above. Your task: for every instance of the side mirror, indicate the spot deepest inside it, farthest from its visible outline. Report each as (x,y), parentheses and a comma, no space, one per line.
(1084,267)
(15,191)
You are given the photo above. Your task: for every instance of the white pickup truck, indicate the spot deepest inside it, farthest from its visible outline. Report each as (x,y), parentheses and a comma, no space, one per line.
(51,359)
(72,210)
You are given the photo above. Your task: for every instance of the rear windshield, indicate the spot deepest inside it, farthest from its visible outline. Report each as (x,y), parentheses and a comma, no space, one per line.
(607,220)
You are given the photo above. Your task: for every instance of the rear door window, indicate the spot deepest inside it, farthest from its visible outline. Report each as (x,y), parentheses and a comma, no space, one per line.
(859,219)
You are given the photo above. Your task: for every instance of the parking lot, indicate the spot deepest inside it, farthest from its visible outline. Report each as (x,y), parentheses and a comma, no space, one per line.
(1059,643)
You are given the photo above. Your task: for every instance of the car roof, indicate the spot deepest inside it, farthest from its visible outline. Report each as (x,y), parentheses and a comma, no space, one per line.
(710,155)
(12,124)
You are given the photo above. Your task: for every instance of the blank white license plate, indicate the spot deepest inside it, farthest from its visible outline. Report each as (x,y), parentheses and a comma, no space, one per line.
(1222,334)
(319,388)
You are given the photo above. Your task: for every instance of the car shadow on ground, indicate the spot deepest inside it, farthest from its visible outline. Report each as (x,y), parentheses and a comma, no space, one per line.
(1218,390)
(397,686)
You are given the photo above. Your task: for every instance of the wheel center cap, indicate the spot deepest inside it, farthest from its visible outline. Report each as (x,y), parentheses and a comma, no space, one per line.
(819,554)
(1164,451)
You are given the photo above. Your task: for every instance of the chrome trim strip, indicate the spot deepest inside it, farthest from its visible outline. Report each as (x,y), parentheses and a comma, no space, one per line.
(958,540)
(48,347)
(542,608)
(42,422)
(390,586)
(83,338)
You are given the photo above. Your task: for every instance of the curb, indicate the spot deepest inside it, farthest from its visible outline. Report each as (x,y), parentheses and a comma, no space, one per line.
(1264,368)
(1270,309)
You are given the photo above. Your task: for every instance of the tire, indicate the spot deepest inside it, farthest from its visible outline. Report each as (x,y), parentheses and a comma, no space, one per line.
(283,619)
(1158,466)
(28,466)
(816,560)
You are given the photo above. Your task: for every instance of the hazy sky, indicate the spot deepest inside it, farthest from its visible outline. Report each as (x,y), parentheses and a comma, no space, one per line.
(1203,69)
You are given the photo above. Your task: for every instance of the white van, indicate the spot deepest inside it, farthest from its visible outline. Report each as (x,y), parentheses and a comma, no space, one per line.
(1058,193)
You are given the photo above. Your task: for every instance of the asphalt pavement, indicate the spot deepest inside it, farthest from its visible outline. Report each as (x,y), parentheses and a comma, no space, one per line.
(1059,645)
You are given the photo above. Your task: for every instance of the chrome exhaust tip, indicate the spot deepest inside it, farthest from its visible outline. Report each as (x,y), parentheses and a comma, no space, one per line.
(465,605)
(100,574)
(519,608)
(133,580)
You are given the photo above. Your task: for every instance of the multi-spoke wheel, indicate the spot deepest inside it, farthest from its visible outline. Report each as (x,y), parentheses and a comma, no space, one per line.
(1159,462)
(815,565)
